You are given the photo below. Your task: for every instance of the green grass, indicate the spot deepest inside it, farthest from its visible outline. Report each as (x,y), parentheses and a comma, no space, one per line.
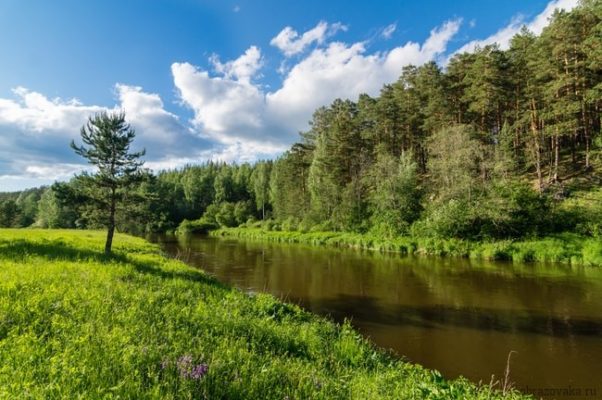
(564,248)
(77,324)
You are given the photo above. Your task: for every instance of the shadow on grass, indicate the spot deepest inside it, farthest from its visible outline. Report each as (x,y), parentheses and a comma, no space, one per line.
(20,250)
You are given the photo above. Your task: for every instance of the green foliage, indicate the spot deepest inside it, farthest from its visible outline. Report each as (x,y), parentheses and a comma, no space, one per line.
(202,225)
(394,197)
(9,213)
(52,213)
(107,139)
(19,209)
(243,210)
(260,182)
(563,248)
(76,323)
(456,163)
(290,224)
(451,219)
(225,216)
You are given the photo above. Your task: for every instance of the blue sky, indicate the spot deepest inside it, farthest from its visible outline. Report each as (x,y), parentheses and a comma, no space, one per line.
(199,80)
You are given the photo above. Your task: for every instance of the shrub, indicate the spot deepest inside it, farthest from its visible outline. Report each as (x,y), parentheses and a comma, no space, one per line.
(201,225)
(290,224)
(450,219)
(225,216)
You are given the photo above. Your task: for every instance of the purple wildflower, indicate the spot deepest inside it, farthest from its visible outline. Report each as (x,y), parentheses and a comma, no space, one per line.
(198,371)
(165,363)
(184,365)
(190,371)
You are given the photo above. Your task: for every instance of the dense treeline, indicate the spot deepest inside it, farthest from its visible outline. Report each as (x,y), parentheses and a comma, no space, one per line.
(20,209)
(480,149)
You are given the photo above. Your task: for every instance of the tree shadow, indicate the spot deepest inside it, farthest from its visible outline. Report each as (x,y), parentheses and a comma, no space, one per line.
(57,250)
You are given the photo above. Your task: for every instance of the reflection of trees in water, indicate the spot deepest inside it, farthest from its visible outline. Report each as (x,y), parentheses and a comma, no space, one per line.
(368,311)
(410,290)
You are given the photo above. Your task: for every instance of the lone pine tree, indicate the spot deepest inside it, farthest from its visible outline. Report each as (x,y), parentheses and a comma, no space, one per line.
(107,138)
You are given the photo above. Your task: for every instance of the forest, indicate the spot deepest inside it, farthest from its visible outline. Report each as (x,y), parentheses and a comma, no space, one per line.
(495,144)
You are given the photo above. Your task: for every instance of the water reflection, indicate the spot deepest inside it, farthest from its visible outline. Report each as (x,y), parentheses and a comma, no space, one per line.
(459,316)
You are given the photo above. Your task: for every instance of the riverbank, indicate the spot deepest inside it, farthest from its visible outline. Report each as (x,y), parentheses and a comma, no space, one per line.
(75,323)
(565,248)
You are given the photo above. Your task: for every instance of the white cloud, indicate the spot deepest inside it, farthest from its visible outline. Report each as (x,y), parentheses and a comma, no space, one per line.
(224,108)
(243,69)
(440,37)
(30,175)
(52,171)
(233,110)
(14,183)
(345,71)
(34,115)
(536,25)
(39,130)
(290,43)
(34,112)
(388,31)
(542,19)
(243,152)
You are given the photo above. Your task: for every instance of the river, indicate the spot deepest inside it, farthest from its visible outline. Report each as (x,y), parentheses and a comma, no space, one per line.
(459,316)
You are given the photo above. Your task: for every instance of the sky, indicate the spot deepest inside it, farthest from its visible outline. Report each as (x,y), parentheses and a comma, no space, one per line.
(231,80)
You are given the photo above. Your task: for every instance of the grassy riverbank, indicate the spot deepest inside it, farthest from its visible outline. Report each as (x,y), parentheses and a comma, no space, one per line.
(567,248)
(77,324)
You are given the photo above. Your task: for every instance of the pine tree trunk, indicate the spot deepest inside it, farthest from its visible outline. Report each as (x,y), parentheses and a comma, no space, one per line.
(574,148)
(538,168)
(111,227)
(587,166)
(556,156)
(537,145)
(109,242)
(586,135)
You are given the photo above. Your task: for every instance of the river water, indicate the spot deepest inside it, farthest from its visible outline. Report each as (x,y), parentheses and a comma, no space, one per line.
(461,317)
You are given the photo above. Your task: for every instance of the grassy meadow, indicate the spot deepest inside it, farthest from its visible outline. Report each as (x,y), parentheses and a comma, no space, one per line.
(75,323)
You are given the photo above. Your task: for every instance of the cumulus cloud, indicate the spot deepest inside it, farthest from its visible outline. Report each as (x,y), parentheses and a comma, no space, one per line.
(230,109)
(225,108)
(35,113)
(39,130)
(290,43)
(345,71)
(536,25)
(243,69)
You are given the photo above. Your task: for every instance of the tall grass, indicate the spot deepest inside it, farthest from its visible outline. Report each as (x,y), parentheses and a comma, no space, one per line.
(75,323)
(565,248)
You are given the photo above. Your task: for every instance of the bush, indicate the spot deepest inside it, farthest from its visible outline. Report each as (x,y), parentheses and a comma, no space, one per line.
(592,252)
(505,210)
(243,210)
(270,225)
(451,219)
(290,224)
(305,225)
(225,216)
(201,225)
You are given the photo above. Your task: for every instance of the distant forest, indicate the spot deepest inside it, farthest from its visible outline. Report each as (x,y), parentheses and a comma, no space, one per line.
(492,145)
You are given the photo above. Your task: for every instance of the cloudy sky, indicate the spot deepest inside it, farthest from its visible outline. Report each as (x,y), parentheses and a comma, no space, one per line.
(222,80)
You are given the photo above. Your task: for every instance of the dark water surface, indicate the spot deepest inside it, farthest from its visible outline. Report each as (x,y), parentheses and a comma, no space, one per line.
(461,317)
